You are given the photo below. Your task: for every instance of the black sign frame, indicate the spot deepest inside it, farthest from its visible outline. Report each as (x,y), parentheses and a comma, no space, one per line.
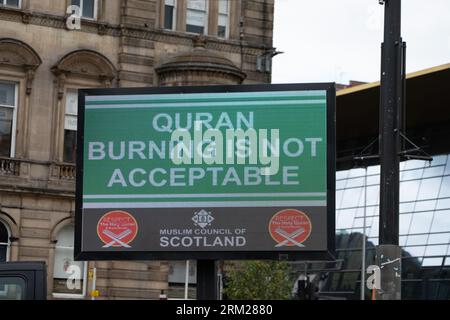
(326,255)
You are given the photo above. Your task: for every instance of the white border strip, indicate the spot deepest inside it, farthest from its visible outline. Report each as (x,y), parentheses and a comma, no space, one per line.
(212,95)
(201,104)
(218,204)
(205,195)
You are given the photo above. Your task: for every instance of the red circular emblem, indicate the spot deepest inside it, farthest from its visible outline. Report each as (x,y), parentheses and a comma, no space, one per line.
(290,228)
(117,229)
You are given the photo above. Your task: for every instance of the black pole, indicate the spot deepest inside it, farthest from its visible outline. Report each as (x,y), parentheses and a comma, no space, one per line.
(391,101)
(206,280)
(388,252)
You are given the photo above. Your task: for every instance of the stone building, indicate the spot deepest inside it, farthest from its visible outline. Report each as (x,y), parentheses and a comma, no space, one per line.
(120,43)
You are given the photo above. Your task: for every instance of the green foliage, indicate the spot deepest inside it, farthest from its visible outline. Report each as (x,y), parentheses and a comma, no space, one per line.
(260,280)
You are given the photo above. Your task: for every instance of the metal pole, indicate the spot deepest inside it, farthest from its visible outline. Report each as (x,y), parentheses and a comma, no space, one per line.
(186,283)
(94,284)
(220,279)
(390,114)
(391,96)
(206,280)
(363,254)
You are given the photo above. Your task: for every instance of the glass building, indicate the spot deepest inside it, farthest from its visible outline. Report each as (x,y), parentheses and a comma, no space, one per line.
(424,228)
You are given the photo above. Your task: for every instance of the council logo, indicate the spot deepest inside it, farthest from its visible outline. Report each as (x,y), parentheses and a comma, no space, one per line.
(290,228)
(202,219)
(117,229)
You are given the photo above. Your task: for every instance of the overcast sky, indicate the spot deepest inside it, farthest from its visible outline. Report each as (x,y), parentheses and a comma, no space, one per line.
(339,40)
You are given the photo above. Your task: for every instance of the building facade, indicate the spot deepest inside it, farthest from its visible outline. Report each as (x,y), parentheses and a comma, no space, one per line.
(424,189)
(424,228)
(45,58)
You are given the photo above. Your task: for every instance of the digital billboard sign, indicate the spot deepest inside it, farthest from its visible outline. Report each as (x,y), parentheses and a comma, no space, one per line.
(217,172)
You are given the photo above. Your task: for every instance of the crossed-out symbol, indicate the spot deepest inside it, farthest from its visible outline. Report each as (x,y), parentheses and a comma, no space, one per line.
(290,237)
(116,238)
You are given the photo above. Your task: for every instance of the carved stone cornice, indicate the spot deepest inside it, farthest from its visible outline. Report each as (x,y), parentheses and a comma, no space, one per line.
(19,55)
(84,64)
(134,31)
(199,63)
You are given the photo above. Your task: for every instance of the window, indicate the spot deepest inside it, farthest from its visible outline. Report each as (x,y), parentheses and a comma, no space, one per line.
(424,219)
(355,182)
(70,127)
(177,279)
(425,205)
(432,262)
(4,243)
(433,172)
(8,106)
(88,8)
(405,223)
(429,189)
(196,16)
(421,222)
(65,267)
(447,168)
(213,17)
(417,240)
(408,190)
(439,238)
(374,230)
(417,251)
(224,18)
(439,250)
(445,189)
(264,63)
(10,3)
(351,197)
(447,261)
(441,221)
(345,219)
(170,14)
(99,72)
(12,288)
(411,174)
(414,164)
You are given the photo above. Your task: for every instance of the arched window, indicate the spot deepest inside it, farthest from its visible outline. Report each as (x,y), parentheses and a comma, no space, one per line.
(68,275)
(4,242)
(18,64)
(8,115)
(78,69)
